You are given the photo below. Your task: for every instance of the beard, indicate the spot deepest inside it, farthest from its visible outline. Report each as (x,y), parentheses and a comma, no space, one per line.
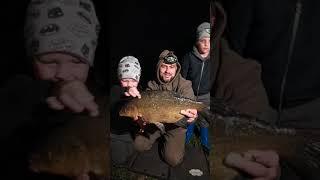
(165,79)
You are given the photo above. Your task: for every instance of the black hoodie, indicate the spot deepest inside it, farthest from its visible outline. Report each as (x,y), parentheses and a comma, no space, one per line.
(263,30)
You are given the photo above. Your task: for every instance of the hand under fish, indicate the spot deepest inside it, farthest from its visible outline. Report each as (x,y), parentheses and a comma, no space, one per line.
(260,164)
(191,114)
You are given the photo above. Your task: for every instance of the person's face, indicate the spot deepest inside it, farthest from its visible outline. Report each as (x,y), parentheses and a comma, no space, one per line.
(57,67)
(203,45)
(128,83)
(167,71)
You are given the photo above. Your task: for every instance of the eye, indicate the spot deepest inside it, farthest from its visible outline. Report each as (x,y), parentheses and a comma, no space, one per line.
(77,61)
(47,61)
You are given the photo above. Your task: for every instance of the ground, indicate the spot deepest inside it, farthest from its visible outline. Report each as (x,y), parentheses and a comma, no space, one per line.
(124,174)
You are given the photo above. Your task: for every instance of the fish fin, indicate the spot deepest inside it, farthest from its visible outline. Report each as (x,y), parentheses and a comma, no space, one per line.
(208,115)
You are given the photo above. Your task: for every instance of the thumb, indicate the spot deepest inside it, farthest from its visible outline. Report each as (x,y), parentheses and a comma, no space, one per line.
(54,103)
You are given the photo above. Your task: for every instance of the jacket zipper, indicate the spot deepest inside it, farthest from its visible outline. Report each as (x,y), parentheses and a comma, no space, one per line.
(200,80)
(297,15)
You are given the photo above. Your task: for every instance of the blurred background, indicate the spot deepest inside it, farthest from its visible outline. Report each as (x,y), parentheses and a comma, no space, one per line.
(139,28)
(144,28)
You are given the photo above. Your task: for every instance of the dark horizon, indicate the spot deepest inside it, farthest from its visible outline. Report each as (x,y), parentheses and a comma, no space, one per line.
(139,28)
(144,28)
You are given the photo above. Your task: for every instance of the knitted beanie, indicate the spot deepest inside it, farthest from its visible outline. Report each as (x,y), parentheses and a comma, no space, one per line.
(65,26)
(203,30)
(129,67)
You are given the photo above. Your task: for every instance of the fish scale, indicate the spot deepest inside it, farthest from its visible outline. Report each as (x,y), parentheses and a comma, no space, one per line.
(159,107)
(239,133)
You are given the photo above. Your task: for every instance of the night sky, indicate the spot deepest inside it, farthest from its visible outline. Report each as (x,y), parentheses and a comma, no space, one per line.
(141,28)
(144,28)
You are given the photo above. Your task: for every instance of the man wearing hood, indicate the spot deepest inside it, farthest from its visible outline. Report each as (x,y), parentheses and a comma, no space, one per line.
(169,79)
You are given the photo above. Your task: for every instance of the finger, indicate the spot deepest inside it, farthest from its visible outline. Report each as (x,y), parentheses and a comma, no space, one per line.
(83,177)
(268,158)
(92,108)
(137,93)
(191,114)
(134,92)
(53,103)
(186,113)
(248,156)
(83,97)
(235,160)
(86,100)
(194,112)
(126,94)
(71,103)
(190,120)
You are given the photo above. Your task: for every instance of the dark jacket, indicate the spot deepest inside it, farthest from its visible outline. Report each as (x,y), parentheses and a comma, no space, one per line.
(263,30)
(196,69)
(119,125)
(27,121)
(233,78)
(20,96)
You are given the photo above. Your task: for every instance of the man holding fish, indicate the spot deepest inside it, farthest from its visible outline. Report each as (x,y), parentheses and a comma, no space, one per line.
(168,79)
(258,164)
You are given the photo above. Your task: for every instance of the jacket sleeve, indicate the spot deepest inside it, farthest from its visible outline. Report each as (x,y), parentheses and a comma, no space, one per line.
(152,85)
(186,89)
(239,83)
(20,96)
(185,62)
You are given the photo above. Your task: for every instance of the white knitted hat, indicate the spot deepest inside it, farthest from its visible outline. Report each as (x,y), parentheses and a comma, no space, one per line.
(129,67)
(203,30)
(68,26)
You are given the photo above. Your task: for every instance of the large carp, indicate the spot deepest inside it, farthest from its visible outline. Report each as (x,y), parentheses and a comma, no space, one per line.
(233,132)
(159,107)
(78,146)
(237,133)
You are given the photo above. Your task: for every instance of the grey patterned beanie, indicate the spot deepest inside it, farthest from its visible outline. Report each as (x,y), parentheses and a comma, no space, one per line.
(129,67)
(203,30)
(68,26)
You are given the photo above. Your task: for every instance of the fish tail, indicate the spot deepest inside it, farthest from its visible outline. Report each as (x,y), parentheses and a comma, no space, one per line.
(306,163)
(207,115)
(312,154)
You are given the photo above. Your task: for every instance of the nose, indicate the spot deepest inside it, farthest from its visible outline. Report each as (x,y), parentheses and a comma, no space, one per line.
(166,70)
(125,84)
(63,73)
